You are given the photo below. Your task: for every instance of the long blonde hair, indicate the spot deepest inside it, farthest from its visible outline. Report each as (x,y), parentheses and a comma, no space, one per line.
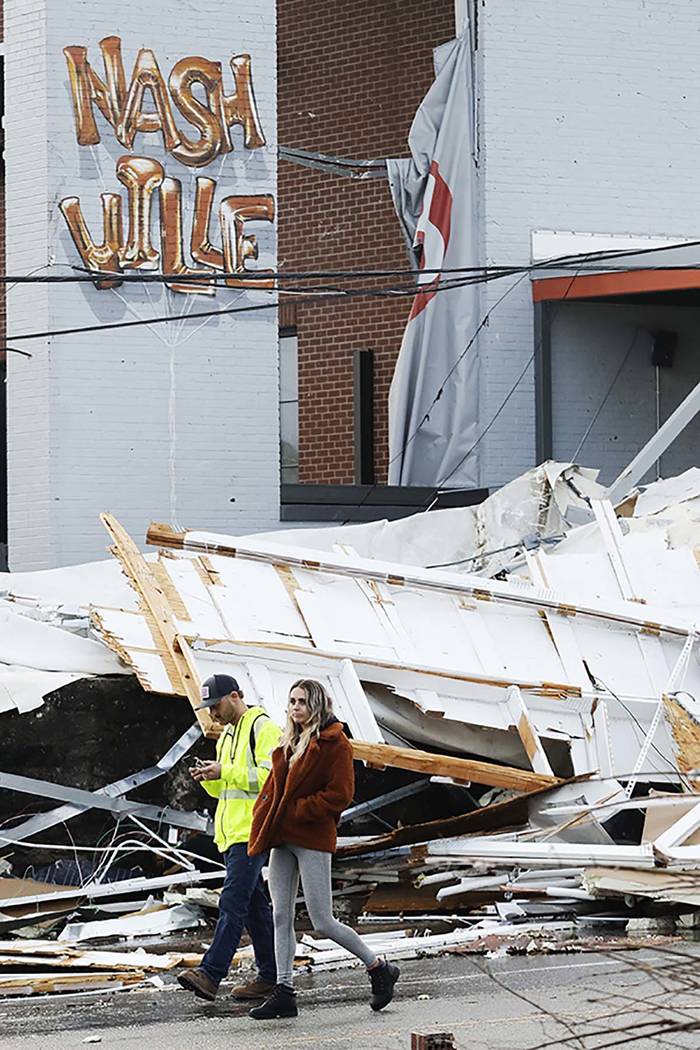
(296,739)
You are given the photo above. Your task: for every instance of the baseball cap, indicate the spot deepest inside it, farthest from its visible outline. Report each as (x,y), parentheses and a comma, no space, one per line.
(215,687)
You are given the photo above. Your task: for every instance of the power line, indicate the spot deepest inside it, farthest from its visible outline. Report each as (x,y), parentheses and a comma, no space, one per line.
(303,297)
(530,543)
(503,404)
(484,321)
(429,502)
(86,275)
(426,416)
(472,275)
(581,258)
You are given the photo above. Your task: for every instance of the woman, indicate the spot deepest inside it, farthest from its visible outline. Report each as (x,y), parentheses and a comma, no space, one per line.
(297,814)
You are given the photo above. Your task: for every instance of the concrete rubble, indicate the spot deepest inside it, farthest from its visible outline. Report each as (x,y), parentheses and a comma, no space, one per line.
(523,673)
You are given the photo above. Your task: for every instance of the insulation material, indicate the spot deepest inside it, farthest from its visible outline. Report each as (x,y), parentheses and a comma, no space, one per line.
(536,504)
(152,921)
(72,588)
(30,643)
(23,689)
(669,492)
(36,658)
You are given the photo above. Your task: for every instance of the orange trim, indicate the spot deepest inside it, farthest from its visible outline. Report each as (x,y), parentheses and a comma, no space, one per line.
(625,282)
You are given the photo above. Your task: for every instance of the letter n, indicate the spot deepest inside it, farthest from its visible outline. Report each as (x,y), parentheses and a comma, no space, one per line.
(87,88)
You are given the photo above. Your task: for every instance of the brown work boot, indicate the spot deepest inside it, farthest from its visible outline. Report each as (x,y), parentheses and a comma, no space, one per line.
(200,983)
(257,989)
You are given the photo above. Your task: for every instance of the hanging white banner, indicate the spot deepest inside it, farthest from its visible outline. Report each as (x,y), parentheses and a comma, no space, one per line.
(433,401)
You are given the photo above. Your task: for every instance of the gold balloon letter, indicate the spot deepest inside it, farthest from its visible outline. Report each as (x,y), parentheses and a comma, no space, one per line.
(171,241)
(234,212)
(207,119)
(87,88)
(203,251)
(105,256)
(147,77)
(142,177)
(240,108)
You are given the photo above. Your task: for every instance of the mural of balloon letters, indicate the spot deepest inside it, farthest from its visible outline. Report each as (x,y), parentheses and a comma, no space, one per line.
(145,179)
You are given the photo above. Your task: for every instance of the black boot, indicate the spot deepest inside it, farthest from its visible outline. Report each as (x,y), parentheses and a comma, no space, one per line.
(282,1003)
(383,978)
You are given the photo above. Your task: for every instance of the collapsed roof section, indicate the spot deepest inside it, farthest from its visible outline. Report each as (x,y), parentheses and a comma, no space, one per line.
(581,657)
(516,671)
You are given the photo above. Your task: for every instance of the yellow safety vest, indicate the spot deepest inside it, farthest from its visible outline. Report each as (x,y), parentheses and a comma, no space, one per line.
(244,753)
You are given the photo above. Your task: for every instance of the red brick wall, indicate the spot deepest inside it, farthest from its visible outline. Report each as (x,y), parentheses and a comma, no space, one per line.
(351,75)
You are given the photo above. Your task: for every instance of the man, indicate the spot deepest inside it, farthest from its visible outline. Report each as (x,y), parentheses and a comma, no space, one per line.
(235,779)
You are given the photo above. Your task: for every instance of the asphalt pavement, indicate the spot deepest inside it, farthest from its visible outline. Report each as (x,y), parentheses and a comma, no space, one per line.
(509,1003)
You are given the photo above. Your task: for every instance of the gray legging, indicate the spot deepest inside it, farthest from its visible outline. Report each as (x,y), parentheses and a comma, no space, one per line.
(287,863)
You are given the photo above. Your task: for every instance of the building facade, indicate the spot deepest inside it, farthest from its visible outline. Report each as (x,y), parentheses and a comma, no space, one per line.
(139,140)
(584,135)
(350,79)
(585,125)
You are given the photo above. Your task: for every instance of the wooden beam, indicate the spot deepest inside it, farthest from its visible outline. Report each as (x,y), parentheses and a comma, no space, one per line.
(171,645)
(527,731)
(160,534)
(465,769)
(47,984)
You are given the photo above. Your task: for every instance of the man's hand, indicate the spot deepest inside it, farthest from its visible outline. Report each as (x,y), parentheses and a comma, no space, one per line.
(207,771)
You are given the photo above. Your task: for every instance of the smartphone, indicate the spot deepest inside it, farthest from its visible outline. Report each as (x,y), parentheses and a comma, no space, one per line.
(198,762)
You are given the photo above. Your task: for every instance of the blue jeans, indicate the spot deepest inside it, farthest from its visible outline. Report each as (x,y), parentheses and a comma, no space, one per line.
(244,902)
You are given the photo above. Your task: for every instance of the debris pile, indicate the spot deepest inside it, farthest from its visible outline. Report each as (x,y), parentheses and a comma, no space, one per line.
(525,671)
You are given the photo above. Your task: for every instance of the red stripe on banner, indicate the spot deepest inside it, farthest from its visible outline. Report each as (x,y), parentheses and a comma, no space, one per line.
(441,204)
(439,216)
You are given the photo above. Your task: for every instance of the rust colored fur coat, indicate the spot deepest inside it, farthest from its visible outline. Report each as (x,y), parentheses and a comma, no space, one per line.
(301,804)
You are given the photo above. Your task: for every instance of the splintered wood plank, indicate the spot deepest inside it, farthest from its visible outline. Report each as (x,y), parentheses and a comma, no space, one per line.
(160,534)
(465,769)
(160,574)
(685,730)
(171,645)
(497,815)
(44,984)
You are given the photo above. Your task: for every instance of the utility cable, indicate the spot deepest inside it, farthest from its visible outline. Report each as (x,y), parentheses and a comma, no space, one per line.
(480,275)
(505,401)
(311,296)
(500,550)
(599,682)
(435,491)
(484,321)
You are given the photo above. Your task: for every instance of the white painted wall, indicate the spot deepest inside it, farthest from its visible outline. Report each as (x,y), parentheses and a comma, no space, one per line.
(590,115)
(590,343)
(172,422)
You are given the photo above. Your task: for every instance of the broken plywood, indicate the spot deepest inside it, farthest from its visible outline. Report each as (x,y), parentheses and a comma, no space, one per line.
(685,730)
(159,616)
(46,984)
